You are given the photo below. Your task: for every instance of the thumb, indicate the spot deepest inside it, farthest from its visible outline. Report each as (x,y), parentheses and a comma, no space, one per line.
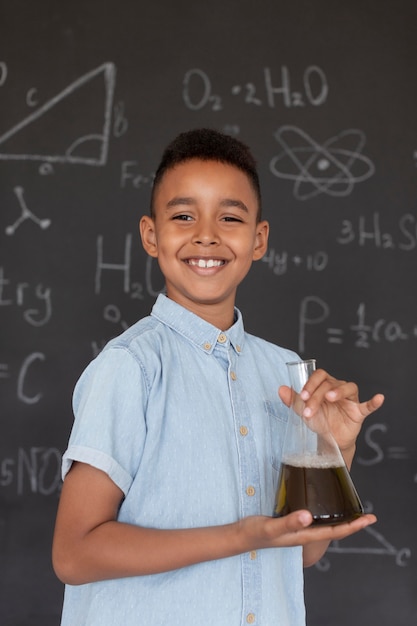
(284,393)
(297,521)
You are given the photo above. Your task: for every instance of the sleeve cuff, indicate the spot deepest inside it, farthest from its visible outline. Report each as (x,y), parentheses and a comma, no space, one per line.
(101,461)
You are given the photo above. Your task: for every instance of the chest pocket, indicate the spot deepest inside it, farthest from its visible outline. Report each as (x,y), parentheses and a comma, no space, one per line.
(277,416)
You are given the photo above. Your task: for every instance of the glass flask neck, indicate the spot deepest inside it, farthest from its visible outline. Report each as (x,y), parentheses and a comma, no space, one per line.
(299,372)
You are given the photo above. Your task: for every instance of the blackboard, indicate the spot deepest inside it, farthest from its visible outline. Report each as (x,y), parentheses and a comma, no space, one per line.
(325,94)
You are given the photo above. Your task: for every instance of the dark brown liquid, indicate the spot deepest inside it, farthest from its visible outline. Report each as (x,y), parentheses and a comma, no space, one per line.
(327,492)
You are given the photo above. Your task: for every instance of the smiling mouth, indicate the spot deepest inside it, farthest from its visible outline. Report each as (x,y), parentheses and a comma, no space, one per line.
(205,262)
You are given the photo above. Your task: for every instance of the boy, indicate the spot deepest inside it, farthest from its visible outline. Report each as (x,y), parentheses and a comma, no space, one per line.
(172,465)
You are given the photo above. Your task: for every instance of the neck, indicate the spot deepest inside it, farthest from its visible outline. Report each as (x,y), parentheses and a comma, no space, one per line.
(218,315)
(219,318)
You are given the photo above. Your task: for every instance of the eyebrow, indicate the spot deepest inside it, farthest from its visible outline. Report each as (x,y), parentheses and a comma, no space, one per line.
(225,202)
(237,203)
(179,200)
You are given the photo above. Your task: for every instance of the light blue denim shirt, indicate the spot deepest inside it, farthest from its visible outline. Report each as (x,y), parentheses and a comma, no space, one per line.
(187,421)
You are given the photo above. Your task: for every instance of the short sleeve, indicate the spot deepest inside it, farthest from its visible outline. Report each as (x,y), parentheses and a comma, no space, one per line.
(109,407)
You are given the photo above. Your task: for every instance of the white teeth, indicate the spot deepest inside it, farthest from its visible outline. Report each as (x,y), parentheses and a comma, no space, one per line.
(204,264)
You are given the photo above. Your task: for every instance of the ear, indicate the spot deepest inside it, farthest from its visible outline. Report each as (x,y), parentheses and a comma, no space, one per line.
(148,235)
(261,241)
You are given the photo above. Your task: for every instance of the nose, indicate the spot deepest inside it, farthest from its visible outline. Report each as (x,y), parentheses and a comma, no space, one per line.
(206,233)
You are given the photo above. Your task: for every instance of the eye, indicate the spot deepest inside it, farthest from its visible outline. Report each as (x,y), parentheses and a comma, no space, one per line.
(182,217)
(232,218)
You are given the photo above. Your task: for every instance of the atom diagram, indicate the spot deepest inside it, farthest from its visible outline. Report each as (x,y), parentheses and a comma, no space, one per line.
(333,168)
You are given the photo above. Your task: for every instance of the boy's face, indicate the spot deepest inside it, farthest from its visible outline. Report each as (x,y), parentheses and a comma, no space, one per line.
(205,235)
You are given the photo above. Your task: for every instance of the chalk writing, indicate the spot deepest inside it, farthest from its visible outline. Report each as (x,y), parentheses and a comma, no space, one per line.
(231,129)
(149,278)
(129,176)
(21,380)
(4,370)
(31,99)
(197,90)
(25,215)
(46,169)
(368,230)
(97,347)
(22,376)
(119,267)
(36,470)
(3,73)
(134,288)
(120,124)
(111,313)
(332,168)
(280,262)
(314,310)
(19,295)
(379,453)
(95,143)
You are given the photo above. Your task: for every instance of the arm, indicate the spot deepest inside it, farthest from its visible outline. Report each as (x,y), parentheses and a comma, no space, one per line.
(90,544)
(339,402)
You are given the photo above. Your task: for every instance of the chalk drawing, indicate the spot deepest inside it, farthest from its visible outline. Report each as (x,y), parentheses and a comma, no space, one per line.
(382,548)
(333,168)
(98,143)
(25,215)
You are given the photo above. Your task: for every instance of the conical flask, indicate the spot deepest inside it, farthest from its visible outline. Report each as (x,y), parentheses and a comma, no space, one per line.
(313,473)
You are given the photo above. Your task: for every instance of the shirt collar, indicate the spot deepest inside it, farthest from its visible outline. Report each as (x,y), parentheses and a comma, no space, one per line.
(201,333)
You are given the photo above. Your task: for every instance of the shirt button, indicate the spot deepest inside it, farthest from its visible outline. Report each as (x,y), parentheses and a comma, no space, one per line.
(238,349)
(222,338)
(253,555)
(243,431)
(207,346)
(250,618)
(250,490)
(233,375)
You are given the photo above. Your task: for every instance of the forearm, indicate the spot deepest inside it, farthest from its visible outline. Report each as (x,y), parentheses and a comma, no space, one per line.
(117,550)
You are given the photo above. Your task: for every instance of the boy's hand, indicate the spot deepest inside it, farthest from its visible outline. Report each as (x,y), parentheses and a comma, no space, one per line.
(339,402)
(295,530)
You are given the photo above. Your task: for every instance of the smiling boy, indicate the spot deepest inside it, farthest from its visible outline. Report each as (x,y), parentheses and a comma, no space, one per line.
(172,464)
(205,235)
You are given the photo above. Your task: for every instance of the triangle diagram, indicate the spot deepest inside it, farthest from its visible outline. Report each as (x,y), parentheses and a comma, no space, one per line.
(358,544)
(72,127)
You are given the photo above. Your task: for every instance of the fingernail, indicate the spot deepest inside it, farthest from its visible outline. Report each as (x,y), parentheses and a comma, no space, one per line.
(305,518)
(307,412)
(304,395)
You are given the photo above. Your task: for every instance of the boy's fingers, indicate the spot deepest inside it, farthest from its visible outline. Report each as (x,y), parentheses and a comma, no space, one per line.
(299,522)
(372,405)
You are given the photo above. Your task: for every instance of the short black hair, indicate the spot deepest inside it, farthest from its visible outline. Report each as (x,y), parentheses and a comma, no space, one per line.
(207,144)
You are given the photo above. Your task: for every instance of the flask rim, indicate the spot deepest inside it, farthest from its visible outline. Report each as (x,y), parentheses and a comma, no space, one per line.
(302,362)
